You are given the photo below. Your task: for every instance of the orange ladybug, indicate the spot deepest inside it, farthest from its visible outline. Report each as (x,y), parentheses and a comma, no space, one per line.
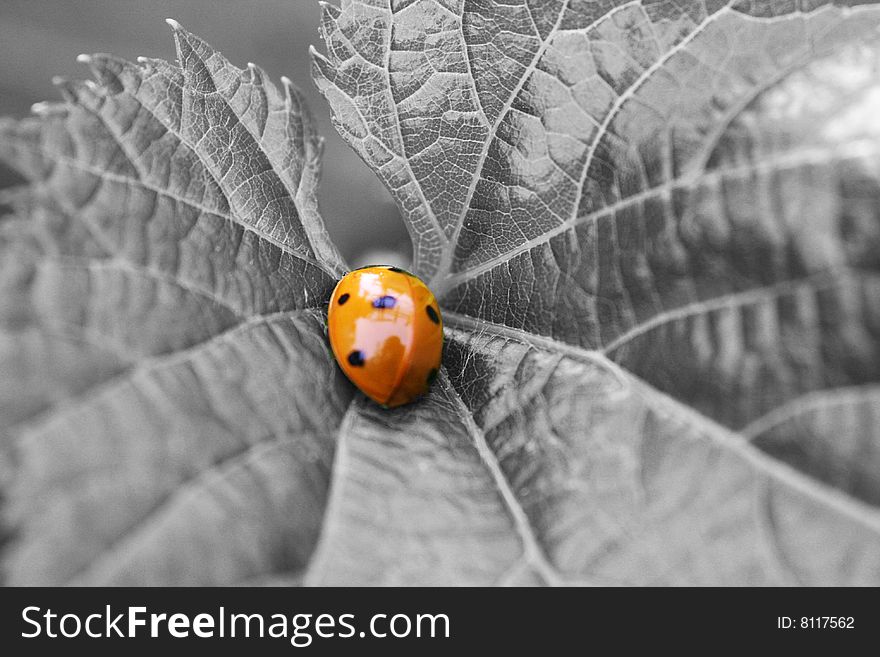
(386,333)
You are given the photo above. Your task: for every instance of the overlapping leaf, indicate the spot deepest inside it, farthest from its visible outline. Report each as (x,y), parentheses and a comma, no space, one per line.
(168,399)
(654,229)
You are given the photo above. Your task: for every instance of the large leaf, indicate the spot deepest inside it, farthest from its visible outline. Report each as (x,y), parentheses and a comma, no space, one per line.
(654,229)
(168,402)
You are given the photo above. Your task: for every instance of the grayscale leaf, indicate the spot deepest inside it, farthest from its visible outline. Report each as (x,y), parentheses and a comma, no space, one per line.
(168,403)
(654,229)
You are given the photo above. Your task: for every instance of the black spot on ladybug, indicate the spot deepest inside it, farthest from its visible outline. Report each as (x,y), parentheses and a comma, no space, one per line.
(344,298)
(432,314)
(356,358)
(397,270)
(386,301)
(432,376)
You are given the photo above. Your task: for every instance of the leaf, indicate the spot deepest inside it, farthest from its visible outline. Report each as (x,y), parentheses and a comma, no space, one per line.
(653,228)
(168,402)
(412,497)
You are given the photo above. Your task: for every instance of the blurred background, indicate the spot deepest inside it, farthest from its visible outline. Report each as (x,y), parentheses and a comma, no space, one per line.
(41,38)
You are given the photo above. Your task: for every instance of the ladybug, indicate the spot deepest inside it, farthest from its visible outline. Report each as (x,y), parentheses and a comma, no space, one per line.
(386,333)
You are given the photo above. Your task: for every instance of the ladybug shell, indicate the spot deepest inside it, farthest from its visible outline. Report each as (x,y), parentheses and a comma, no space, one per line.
(386,333)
